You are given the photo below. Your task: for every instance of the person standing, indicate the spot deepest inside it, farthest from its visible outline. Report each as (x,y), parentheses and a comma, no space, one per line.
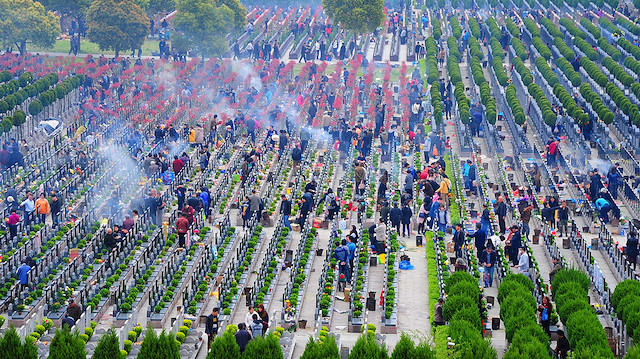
(615,178)
(352,252)
(264,316)
(488,258)
(211,327)
(23,275)
(12,223)
(480,238)
(563,218)
(55,207)
(632,248)
(485,220)
(523,263)
(458,240)
(182,227)
(243,337)
(285,210)
(563,347)
(501,212)
(256,326)
(515,242)
(406,220)
(557,266)
(341,254)
(545,310)
(29,206)
(525,217)
(423,213)
(438,317)
(395,216)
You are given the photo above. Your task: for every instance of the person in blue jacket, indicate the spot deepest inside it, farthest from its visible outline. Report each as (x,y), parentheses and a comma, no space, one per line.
(341,254)
(615,179)
(480,238)
(352,252)
(603,207)
(23,275)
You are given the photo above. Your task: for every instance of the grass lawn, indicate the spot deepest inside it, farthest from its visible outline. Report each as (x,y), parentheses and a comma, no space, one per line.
(88,47)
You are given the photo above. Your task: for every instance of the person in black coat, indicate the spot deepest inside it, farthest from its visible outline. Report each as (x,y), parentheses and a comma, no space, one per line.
(406,220)
(458,240)
(395,216)
(632,248)
(480,238)
(501,212)
(285,210)
(516,243)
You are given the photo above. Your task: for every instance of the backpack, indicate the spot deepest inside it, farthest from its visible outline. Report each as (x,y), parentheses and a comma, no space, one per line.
(333,204)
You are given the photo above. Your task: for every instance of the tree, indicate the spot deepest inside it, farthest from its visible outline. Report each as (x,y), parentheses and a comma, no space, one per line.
(75,9)
(117,24)
(203,24)
(12,348)
(108,347)
(224,346)
(67,346)
(360,16)
(161,6)
(27,21)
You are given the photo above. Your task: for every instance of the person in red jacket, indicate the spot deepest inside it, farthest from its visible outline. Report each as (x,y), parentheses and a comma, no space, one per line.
(12,222)
(177,165)
(182,226)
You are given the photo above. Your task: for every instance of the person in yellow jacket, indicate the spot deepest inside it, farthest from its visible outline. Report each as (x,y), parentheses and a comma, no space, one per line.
(42,207)
(444,190)
(192,136)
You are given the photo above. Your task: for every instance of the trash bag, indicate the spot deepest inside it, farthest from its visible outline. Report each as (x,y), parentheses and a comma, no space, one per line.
(406,265)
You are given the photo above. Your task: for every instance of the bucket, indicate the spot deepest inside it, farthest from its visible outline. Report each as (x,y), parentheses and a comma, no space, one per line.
(288,190)
(302,323)
(317,223)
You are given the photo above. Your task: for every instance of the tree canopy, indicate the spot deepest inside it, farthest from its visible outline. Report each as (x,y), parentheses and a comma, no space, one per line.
(160,6)
(71,8)
(203,24)
(360,16)
(27,21)
(117,24)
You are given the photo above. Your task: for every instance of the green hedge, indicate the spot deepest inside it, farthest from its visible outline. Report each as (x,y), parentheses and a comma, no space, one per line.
(512,27)
(523,70)
(584,331)
(546,71)
(454,70)
(456,30)
(570,105)
(593,29)
(594,72)
(626,302)
(607,25)
(519,48)
(501,74)
(629,47)
(551,27)
(474,48)
(532,27)
(542,48)
(586,48)
(623,102)
(629,25)
(436,28)
(572,28)
(494,30)
(563,48)
(609,49)
(496,49)
(617,71)
(548,115)
(475,27)
(596,103)
(569,72)
(514,104)
(464,104)
(476,71)
(452,44)
(436,102)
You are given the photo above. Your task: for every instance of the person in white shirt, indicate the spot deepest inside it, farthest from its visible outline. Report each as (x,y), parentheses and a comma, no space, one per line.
(523,263)
(248,318)
(29,206)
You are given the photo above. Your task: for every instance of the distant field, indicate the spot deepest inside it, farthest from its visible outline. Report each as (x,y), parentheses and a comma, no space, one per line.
(88,47)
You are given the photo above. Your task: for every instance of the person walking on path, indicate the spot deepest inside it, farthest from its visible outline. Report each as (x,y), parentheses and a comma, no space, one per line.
(479,238)
(423,213)
(488,259)
(285,210)
(211,327)
(341,254)
(438,317)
